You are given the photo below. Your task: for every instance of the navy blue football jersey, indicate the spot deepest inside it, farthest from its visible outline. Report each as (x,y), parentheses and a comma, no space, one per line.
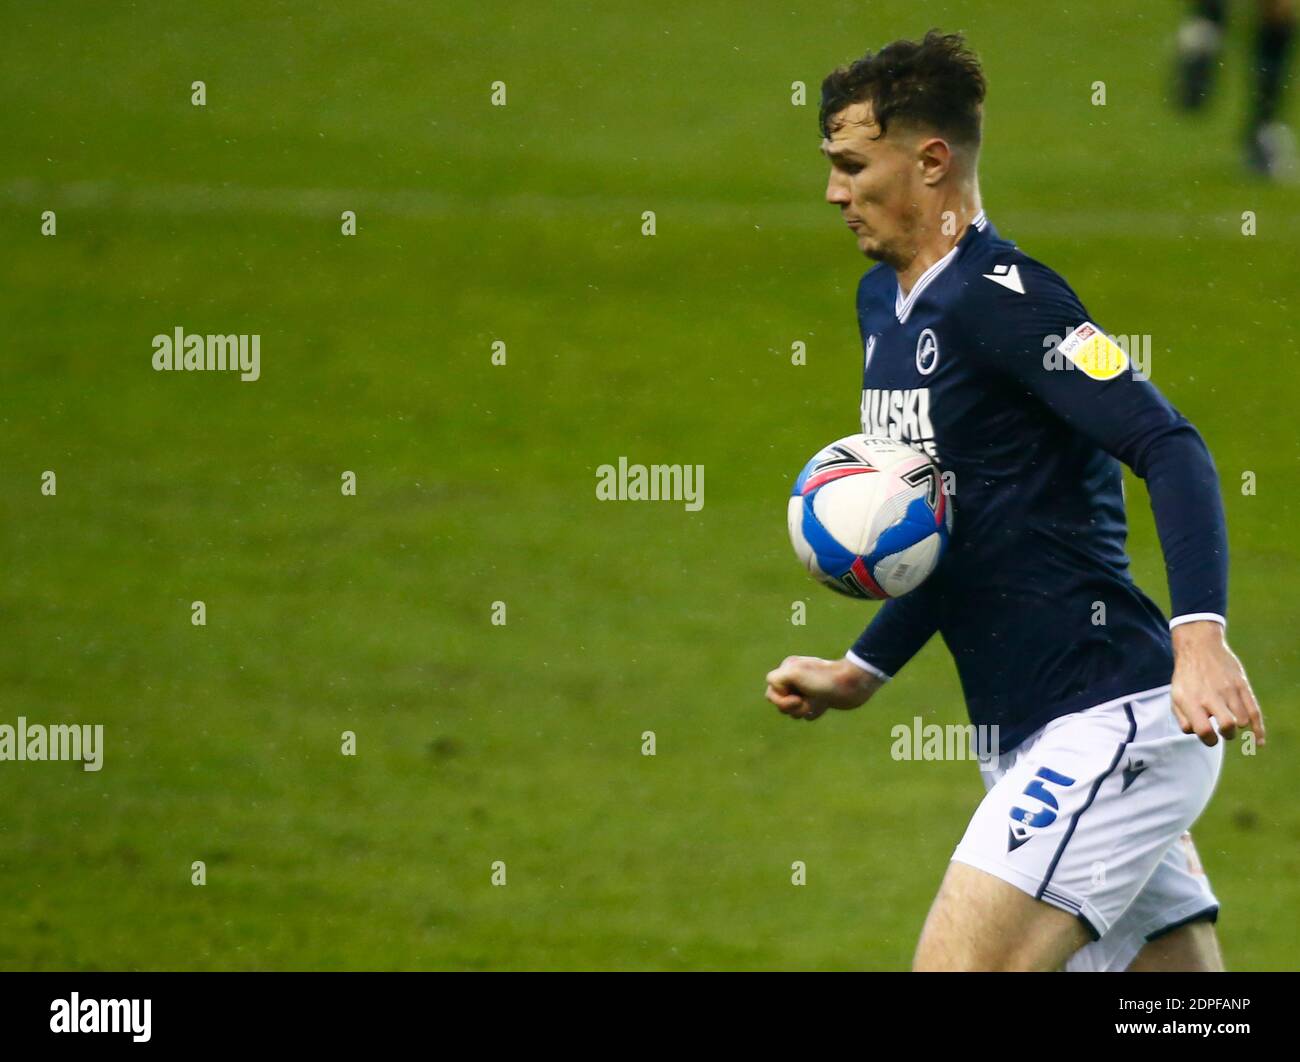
(992,365)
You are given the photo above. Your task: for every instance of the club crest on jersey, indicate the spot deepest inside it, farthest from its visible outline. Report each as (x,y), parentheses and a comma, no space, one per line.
(1094,353)
(927,352)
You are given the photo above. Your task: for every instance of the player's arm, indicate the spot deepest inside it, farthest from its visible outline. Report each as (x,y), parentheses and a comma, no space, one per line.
(1088,382)
(805,687)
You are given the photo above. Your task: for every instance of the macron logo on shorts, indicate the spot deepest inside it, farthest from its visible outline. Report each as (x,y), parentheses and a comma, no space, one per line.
(1134,768)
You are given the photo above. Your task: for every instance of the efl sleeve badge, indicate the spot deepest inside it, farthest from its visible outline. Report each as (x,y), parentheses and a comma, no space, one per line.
(1093,352)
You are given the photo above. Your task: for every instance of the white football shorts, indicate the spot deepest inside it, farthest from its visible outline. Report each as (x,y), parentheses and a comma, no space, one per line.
(1091,814)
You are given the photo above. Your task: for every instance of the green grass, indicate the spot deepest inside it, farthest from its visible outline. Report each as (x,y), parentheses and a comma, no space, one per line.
(521,743)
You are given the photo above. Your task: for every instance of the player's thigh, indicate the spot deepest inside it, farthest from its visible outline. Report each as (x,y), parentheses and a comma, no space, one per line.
(1191,948)
(1176,897)
(980,922)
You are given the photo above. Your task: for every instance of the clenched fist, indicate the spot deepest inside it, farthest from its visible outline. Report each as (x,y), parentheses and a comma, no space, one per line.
(803,687)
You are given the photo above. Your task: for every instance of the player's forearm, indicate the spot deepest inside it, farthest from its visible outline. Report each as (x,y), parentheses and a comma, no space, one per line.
(896,633)
(859,680)
(1184,488)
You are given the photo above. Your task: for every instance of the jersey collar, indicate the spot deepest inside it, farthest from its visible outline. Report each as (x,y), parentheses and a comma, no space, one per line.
(903,306)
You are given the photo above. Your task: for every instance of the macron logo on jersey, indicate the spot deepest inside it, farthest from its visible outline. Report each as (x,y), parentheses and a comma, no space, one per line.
(1008,277)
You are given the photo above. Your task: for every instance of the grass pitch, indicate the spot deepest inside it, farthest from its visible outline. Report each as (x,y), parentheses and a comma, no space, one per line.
(475,482)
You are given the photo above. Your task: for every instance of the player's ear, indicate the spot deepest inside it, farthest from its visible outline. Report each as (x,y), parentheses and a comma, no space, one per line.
(934,157)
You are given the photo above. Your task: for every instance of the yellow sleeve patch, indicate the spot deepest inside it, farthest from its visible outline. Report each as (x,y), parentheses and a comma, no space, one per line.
(1093,352)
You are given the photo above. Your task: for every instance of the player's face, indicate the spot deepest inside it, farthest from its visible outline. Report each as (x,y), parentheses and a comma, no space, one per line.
(872,182)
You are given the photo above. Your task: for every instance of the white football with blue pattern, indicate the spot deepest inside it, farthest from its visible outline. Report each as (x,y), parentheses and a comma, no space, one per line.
(869,517)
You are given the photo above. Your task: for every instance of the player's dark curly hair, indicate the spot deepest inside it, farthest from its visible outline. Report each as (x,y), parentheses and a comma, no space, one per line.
(935,83)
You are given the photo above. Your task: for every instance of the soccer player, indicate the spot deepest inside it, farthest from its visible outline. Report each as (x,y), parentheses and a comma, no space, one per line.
(1270,147)
(1109,717)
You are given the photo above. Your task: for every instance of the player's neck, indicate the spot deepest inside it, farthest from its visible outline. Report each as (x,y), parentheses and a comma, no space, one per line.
(940,235)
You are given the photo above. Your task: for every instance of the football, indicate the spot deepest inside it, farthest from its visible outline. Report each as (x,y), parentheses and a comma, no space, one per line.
(869,517)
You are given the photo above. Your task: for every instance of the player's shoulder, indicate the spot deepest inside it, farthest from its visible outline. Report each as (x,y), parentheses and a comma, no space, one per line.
(996,265)
(999,281)
(877,282)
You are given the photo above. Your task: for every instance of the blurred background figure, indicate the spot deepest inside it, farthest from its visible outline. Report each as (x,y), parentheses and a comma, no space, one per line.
(1269,144)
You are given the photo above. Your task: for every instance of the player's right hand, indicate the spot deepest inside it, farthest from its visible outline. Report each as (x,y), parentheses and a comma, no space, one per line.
(804,687)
